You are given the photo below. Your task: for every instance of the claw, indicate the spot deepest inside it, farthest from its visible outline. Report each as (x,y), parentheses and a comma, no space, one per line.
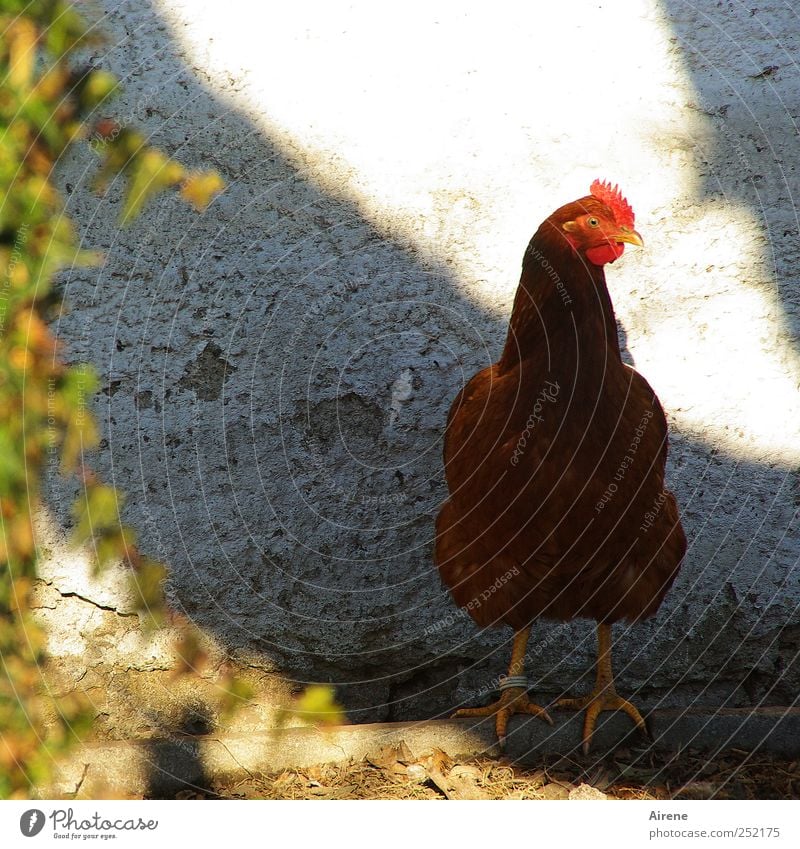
(594,704)
(603,696)
(512,701)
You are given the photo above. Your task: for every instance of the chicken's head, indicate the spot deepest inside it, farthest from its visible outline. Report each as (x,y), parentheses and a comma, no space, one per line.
(600,224)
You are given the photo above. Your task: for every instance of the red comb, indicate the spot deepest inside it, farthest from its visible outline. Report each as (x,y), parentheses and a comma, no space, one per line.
(611,196)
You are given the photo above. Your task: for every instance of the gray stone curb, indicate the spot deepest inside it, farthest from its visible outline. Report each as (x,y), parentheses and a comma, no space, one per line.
(162,766)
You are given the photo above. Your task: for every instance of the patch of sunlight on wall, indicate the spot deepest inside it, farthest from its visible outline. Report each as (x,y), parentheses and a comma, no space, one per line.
(70,572)
(460,127)
(710,338)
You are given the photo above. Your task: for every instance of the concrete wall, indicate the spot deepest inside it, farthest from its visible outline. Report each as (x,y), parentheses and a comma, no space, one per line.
(277,371)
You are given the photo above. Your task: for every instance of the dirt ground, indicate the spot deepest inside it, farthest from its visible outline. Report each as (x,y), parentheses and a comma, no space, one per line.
(627,774)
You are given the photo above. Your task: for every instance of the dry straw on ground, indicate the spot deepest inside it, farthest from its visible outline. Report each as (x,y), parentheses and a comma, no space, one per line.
(396,773)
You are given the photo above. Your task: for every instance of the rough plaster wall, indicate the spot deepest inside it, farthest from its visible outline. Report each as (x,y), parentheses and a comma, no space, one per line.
(277,371)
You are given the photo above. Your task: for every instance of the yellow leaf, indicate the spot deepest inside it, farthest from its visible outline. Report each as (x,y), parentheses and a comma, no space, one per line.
(19,359)
(21,38)
(200,188)
(99,86)
(316,706)
(150,172)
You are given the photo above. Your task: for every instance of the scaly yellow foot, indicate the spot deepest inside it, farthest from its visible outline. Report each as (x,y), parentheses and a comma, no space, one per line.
(604,696)
(513,699)
(594,704)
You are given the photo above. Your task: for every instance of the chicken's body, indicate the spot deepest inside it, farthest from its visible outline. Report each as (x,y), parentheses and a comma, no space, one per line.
(555,458)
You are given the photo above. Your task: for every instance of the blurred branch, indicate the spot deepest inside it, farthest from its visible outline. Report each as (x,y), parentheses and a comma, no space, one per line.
(45,106)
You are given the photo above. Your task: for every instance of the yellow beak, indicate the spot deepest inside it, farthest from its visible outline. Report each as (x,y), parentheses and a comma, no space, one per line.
(625,234)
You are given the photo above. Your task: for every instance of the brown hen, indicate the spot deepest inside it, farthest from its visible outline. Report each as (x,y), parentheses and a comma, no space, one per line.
(554,458)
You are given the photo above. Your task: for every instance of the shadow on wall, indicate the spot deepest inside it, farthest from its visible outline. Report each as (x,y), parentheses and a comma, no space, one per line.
(277,376)
(177,769)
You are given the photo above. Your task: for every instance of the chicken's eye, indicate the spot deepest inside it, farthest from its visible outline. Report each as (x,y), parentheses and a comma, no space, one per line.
(593,222)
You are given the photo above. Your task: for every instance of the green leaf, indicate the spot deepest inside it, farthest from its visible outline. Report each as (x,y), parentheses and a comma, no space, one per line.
(150,172)
(98,87)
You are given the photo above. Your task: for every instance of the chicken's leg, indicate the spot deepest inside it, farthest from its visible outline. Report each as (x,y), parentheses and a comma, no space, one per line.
(514,696)
(604,695)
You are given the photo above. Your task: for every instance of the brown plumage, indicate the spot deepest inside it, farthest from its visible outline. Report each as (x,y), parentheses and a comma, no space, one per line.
(555,455)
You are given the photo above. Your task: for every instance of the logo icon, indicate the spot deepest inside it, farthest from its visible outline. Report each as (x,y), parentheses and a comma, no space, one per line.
(31,822)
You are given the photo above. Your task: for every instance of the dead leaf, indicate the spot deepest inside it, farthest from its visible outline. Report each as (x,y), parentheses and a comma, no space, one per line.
(455,782)
(555,791)
(416,773)
(391,757)
(249,790)
(437,759)
(464,783)
(466,772)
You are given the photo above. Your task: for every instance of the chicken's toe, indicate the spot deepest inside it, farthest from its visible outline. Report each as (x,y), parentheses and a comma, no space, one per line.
(596,703)
(512,701)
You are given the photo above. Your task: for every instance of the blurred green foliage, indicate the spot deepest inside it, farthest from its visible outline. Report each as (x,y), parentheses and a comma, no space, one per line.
(47,103)
(316,705)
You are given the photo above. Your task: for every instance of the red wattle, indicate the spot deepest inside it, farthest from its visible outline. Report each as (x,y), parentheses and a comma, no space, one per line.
(605,253)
